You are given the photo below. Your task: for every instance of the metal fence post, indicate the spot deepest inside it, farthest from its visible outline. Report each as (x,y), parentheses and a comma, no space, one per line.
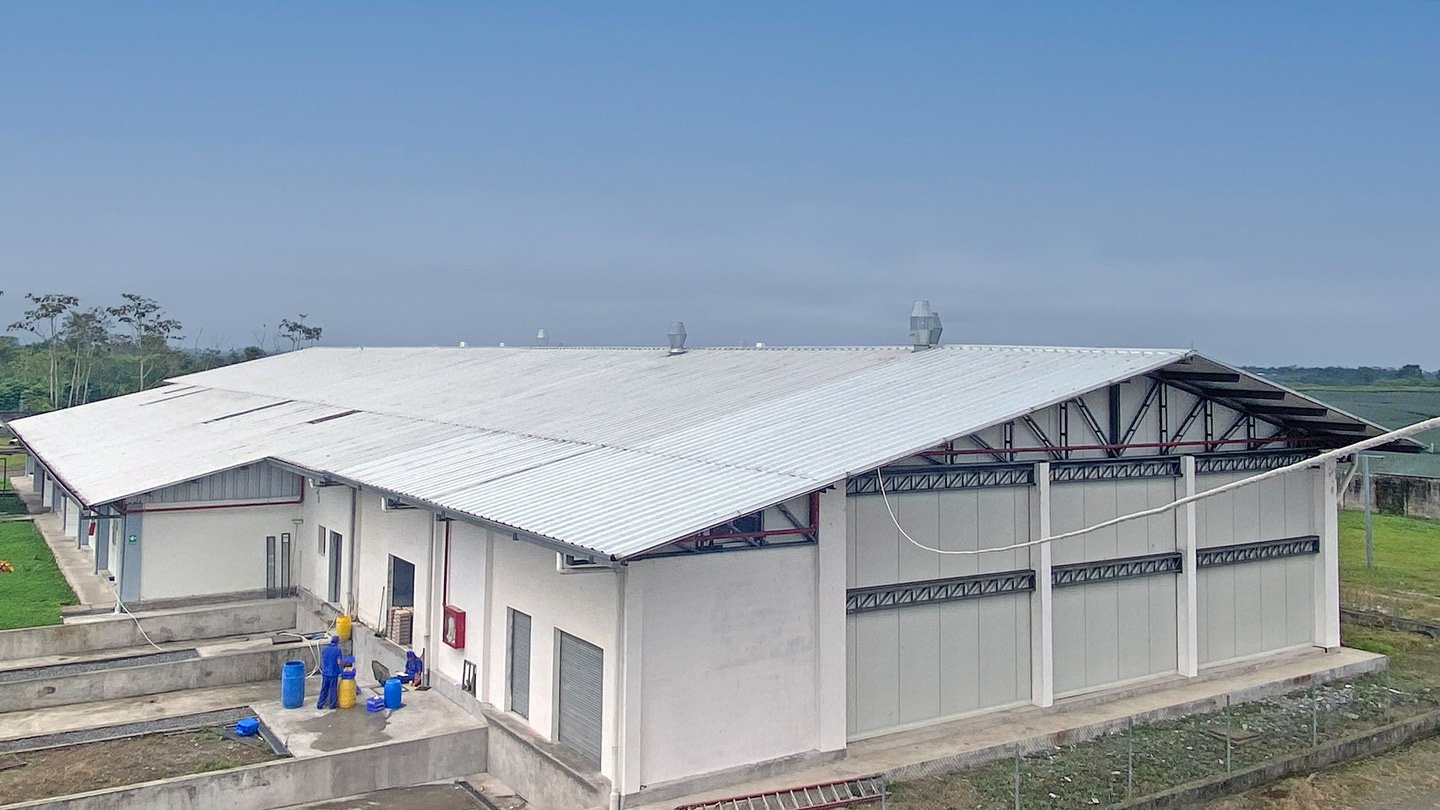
(1227,734)
(1017,778)
(1130,761)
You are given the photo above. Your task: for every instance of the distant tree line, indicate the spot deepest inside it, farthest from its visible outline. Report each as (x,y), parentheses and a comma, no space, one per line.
(1407,375)
(60,353)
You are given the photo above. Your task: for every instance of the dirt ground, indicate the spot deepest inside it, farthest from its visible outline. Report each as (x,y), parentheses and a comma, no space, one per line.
(112,763)
(1404,779)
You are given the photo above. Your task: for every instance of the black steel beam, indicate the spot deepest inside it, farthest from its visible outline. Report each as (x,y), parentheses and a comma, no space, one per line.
(1289,410)
(1199,376)
(1335,427)
(1110,570)
(1252,552)
(1241,393)
(936,591)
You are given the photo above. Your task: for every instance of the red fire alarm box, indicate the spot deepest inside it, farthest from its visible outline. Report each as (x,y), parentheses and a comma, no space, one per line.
(453,632)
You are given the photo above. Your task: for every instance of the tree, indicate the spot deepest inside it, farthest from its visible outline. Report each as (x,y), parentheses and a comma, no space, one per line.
(43,321)
(299,333)
(86,336)
(153,331)
(1410,372)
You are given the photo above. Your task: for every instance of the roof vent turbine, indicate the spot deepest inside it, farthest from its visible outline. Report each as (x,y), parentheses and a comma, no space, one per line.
(676,336)
(925,327)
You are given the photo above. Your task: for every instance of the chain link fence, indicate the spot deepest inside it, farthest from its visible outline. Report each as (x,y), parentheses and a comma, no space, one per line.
(1144,759)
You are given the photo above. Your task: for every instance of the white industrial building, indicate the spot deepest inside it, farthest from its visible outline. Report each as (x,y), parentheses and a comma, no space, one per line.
(670,564)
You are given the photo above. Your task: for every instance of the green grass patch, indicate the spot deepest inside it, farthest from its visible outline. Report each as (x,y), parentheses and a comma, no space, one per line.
(1407,553)
(10,464)
(10,505)
(32,594)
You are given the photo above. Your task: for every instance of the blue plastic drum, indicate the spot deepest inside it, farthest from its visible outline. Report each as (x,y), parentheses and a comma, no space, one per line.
(292,684)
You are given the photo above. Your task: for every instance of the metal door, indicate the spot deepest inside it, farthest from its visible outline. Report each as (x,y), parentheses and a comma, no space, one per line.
(519,663)
(334,594)
(581,696)
(277,566)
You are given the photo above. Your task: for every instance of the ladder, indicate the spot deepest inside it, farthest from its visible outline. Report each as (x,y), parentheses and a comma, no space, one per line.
(841,793)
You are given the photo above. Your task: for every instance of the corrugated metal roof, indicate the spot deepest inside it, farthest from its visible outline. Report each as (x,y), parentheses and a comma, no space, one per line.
(615,451)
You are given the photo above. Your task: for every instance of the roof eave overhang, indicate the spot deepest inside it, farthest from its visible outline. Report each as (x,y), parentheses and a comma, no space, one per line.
(516,533)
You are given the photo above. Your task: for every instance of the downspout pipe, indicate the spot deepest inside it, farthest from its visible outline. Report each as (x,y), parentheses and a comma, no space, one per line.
(354,573)
(617,723)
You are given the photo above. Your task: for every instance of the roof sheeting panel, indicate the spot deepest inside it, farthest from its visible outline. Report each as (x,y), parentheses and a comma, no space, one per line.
(614,451)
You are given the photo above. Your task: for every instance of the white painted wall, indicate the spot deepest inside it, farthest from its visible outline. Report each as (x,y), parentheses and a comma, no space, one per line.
(210,551)
(71,516)
(468,553)
(405,533)
(583,605)
(328,507)
(728,660)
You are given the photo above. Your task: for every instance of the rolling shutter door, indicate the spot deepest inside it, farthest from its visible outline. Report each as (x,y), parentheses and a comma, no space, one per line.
(520,663)
(582,667)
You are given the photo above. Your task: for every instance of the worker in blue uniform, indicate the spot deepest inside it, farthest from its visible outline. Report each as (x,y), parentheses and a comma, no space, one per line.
(414,665)
(330,659)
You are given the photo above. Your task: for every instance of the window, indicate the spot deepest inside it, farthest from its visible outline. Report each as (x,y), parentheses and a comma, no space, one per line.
(518,689)
(324,535)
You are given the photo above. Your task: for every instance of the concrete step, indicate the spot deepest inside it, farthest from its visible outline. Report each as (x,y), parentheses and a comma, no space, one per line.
(84,682)
(95,633)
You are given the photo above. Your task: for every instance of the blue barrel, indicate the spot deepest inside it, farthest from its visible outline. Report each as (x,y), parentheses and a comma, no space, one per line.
(292,684)
(392,693)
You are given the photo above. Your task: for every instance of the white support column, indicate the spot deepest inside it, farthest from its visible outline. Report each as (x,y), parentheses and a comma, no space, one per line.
(1327,562)
(831,654)
(1042,632)
(1187,622)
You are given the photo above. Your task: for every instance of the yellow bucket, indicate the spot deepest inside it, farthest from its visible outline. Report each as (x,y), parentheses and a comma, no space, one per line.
(342,627)
(346,697)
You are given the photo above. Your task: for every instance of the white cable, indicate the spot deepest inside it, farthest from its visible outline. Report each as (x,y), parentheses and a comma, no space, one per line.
(138,626)
(1366,444)
(315,648)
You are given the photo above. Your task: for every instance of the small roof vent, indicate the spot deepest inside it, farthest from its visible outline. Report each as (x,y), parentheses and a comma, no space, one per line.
(925,327)
(676,337)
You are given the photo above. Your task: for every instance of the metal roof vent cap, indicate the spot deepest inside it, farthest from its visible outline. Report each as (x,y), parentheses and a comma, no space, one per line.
(676,336)
(925,327)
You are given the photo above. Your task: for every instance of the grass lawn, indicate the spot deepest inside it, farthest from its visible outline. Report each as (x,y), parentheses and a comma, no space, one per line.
(12,465)
(1406,578)
(32,594)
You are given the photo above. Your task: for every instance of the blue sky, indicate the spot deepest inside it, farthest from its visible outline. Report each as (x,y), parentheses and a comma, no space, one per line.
(1259,180)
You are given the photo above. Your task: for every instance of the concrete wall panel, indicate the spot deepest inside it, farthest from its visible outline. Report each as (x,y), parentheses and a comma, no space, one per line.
(731,638)
(212,551)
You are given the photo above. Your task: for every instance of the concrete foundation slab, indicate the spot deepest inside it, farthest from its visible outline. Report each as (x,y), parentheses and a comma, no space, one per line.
(308,731)
(951,746)
(215,666)
(57,719)
(87,634)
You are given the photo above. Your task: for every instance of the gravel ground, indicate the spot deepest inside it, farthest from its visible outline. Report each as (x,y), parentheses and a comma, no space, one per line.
(1099,772)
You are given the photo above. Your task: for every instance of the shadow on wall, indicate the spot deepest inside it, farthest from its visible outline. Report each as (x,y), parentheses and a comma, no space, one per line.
(1408,495)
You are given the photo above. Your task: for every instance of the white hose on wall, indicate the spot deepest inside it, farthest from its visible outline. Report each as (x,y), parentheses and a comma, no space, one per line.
(1349,449)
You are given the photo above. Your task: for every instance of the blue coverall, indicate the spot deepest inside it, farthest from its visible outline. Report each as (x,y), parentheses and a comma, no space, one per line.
(330,656)
(413,667)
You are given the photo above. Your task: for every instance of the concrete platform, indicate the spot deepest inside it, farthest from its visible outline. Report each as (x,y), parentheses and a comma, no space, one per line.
(225,662)
(333,753)
(953,745)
